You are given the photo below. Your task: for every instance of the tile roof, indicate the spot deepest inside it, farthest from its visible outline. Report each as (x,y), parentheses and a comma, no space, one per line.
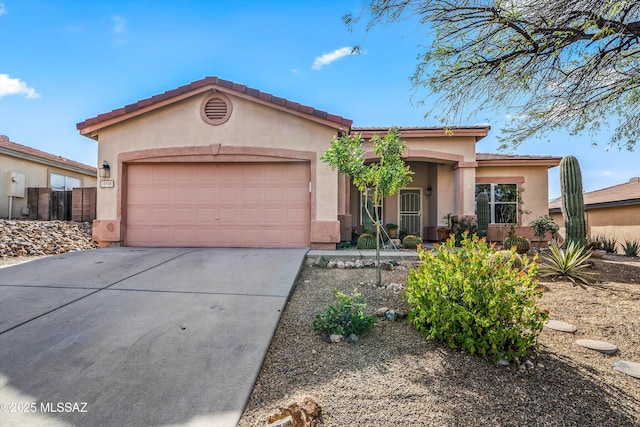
(492,159)
(627,193)
(226,85)
(494,156)
(12,148)
(479,131)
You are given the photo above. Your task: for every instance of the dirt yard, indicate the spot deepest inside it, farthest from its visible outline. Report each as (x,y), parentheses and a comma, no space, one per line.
(394,377)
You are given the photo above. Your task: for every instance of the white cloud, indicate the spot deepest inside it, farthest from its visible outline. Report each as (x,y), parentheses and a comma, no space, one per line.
(330,57)
(3,9)
(119,24)
(9,86)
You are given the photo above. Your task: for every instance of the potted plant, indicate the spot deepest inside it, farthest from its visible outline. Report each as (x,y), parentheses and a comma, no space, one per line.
(444,232)
(392,230)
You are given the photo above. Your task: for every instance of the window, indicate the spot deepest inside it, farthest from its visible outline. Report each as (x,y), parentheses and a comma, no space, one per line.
(367,224)
(63,183)
(503,202)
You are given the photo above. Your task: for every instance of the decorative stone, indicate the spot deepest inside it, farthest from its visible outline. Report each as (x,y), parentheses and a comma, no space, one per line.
(352,339)
(390,315)
(359,263)
(601,346)
(629,368)
(381,311)
(29,238)
(336,338)
(331,264)
(558,325)
(503,362)
(350,264)
(528,364)
(300,412)
(340,264)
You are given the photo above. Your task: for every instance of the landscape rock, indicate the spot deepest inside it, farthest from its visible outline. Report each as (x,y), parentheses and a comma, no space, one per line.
(629,368)
(331,264)
(37,238)
(336,338)
(300,412)
(340,264)
(381,311)
(558,325)
(350,264)
(359,263)
(390,315)
(601,346)
(352,339)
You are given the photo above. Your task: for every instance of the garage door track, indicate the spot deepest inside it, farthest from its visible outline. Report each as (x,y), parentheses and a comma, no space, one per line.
(138,336)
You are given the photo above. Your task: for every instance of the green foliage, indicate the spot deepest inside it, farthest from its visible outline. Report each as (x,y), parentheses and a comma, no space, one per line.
(345,316)
(522,244)
(554,64)
(391,226)
(411,242)
(506,257)
(384,177)
(461,298)
(462,225)
(542,225)
(595,242)
(570,264)
(367,241)
(484,212)
(573,200)
(609,244)
(631,248)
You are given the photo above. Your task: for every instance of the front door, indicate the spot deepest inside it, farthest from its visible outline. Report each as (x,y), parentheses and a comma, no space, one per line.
(410,211)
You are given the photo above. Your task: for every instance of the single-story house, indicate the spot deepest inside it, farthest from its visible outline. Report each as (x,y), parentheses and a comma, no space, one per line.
(23,167)
(611,212)
(215,163)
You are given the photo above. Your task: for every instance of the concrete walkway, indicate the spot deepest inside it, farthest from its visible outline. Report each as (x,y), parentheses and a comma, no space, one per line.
(138,336)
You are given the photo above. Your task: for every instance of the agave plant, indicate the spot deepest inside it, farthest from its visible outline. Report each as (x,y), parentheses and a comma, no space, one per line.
(569,263)
(631,248)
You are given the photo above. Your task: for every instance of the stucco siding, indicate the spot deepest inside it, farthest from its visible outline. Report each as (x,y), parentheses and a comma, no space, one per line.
(533,184)
(36,175)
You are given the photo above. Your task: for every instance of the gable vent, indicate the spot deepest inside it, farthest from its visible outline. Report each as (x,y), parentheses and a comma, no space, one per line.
(216,109)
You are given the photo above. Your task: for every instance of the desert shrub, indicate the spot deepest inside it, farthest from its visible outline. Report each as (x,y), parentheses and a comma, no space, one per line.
(345,316)
(631,247)
(411,241)
(595,242)
(542,225)
(459,297)
(366,241)
(506,257)
(569,263)
(609,244)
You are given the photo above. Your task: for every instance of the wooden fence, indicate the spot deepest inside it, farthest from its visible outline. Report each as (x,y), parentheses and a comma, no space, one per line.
(46,204)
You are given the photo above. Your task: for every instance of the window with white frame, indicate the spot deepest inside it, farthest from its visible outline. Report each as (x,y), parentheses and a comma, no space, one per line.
(59,182)
(503,202)
(367,223)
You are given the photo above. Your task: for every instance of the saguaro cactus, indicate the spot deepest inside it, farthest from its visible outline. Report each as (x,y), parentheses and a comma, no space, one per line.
(484,213)
(572,200)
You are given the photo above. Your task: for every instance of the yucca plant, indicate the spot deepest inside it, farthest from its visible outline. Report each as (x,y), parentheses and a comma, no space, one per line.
(631,248)
(569,263)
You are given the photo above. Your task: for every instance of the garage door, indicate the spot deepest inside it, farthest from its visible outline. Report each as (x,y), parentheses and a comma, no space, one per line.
(218,204)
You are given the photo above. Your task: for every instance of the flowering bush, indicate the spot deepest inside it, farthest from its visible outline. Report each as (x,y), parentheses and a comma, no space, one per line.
(460,297)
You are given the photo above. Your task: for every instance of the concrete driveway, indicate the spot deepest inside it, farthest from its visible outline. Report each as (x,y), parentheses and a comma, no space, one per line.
(138,336)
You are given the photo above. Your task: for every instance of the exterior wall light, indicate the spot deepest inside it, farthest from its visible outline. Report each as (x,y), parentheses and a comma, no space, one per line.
(105,170)
(428,191)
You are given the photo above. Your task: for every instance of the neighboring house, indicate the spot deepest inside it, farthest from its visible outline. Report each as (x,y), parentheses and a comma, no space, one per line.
(215,163)
(612,211)
(22,167)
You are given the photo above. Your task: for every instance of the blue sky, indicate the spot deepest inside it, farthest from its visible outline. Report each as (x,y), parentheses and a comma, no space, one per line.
(62,62)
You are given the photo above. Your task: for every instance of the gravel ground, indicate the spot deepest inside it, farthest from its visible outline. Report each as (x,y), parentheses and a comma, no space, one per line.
(394,377)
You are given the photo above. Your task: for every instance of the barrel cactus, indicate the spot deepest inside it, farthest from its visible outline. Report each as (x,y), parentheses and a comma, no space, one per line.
(483,212)
(522,244)
(367,241)
(502,257)
(572,200)
(411,242)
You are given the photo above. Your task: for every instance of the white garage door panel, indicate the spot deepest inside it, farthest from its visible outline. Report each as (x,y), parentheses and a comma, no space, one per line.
(204,204)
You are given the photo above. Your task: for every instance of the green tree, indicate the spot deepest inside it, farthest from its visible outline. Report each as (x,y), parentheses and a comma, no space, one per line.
(556,64)
(377,179)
